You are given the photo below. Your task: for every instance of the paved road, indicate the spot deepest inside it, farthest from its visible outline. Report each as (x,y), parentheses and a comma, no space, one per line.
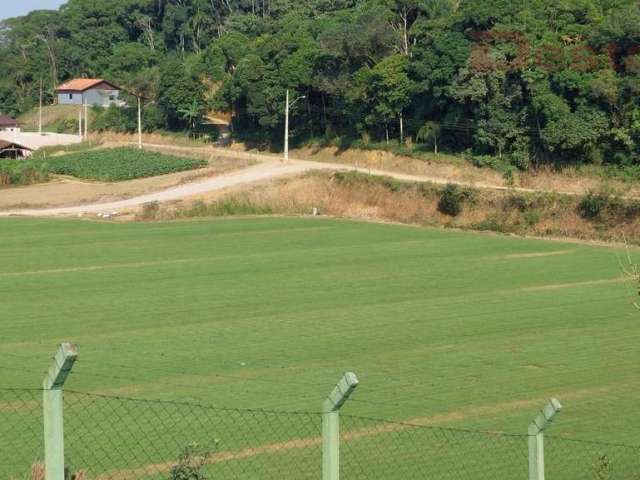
(266,170)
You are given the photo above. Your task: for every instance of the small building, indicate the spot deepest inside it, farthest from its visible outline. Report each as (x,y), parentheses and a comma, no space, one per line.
(8,124)
(92,91)
(14,150)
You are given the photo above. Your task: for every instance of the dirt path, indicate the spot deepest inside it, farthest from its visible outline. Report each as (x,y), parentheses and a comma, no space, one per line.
(269,167)
(256,173)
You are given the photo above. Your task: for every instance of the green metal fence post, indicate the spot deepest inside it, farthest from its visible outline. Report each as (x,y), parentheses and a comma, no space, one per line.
(52,406)
(331,425)
(536,438)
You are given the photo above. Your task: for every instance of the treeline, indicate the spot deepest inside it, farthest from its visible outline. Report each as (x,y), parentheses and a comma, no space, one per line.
(527,81)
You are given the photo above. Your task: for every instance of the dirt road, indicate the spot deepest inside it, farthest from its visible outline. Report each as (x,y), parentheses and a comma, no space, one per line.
(269,168)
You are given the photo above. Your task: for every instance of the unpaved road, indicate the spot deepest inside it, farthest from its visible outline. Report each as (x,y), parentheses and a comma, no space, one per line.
(268,169)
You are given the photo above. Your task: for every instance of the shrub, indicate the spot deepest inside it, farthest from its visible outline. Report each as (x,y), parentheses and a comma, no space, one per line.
(592,205)
(518,202)
(484,161)
(224,207)
(191,463)
(520,160)
(450,201)
(115,119)
(491,223)
(22,172)
(531,217)
(150,211)
(602,468)
(509,176)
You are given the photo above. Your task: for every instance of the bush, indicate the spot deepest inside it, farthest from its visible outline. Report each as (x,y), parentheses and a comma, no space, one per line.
(22,172)
(352,178)
(450,202)
(224,207)
(150,211)
(531,217)
(517,202)
(509,176)
(592,205)
(114,119)
(191,463)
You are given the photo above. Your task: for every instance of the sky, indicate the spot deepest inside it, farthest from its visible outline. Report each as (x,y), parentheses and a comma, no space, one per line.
(13,8)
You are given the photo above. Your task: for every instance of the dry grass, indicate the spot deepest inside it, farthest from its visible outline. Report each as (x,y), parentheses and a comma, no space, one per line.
(155,138)
(446,167)
(544,215)
(455,169)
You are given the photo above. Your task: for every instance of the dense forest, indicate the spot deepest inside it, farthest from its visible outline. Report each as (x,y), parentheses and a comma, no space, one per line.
(531,82)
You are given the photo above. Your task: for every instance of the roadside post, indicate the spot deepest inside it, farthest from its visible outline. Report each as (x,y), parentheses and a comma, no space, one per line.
(536,438)
(52,405)
(331,425)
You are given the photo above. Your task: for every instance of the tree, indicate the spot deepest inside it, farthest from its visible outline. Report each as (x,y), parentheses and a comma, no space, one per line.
(177,91)
(385,91)
(542,79)
(192,113)
(430,132)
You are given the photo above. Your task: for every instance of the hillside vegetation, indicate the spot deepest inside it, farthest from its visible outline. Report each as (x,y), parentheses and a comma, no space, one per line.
(55,118)
(511,84)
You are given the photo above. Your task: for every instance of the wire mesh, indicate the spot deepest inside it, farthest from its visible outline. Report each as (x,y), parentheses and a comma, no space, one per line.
(577,459)
(21,433)
(380,449)
(121,438)
(114,438)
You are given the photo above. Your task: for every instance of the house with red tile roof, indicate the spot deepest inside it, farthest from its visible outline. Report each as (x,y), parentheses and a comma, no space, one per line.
(92,91)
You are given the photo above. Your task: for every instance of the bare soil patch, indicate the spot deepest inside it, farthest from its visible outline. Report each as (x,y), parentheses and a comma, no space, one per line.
(66,191)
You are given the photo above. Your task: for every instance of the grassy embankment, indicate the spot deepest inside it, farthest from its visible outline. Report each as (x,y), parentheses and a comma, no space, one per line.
(600,215)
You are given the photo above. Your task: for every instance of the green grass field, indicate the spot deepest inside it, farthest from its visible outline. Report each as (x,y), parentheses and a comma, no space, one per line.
(474,331)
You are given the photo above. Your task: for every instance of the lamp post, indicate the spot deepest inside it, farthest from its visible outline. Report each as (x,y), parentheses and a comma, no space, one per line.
(286,123)
(139,122)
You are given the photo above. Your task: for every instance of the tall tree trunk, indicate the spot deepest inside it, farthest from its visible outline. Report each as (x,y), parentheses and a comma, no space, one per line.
(405,33)
(324,113)
(309,114)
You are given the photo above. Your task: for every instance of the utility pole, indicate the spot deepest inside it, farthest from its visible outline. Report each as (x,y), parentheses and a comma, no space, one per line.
(40,111)
(80,123)
(286,123)
(286,129)
(86,120)
(139,122)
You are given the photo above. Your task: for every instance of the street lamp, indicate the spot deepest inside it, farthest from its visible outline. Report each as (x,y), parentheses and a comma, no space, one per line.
(286,123)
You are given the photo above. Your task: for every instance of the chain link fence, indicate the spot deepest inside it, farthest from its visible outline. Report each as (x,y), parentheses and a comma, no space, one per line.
(109,438)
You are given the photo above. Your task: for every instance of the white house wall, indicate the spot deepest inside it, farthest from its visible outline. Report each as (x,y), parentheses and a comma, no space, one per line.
(93,96)
(70,98)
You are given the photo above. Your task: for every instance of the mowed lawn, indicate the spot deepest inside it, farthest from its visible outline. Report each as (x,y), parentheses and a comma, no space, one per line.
(473,330)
